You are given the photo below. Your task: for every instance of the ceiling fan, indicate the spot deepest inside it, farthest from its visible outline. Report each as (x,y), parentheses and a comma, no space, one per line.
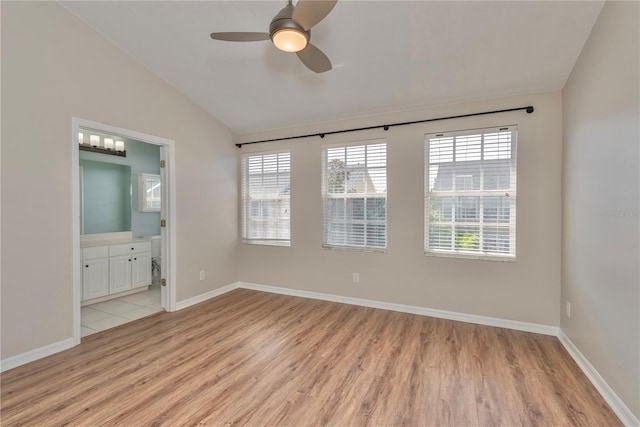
(290,31)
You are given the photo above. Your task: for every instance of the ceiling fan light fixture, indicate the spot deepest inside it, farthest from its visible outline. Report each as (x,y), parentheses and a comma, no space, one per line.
(290,31)
(290,39)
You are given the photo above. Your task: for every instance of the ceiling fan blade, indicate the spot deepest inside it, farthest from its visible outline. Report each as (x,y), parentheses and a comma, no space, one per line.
(240,36)
(314,59)
(308,13)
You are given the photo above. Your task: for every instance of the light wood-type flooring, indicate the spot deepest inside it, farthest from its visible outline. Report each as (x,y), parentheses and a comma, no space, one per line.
(253,358)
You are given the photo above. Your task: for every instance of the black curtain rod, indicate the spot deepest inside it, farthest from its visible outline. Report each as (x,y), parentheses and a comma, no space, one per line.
(528,109)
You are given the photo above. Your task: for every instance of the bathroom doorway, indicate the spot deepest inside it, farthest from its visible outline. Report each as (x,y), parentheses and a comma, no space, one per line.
(148,226)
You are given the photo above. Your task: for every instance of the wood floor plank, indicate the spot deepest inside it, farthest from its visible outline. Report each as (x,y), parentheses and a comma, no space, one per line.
(259,359)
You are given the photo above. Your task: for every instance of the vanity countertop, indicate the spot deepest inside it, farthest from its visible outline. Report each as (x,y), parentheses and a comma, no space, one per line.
(106,239)
(93,243)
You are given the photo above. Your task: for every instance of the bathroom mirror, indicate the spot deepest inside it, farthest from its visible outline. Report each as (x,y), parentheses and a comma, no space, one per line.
(105,197)
(149,192)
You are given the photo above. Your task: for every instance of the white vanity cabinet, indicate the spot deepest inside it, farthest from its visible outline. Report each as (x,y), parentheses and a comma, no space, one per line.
(115,268)
(119,273)
(141,270)
(130,266)
(95,272)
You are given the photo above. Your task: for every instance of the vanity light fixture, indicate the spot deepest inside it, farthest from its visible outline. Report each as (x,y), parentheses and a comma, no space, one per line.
(115,148)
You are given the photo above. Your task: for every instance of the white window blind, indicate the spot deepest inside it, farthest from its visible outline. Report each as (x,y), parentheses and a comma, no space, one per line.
(470,200)
(354,190)
(266,193)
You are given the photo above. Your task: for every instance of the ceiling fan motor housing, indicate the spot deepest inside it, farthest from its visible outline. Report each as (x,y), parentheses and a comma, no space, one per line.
(283,21)
(288,24)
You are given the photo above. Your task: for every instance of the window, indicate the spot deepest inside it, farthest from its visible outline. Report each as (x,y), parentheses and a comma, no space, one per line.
(470,200)
(266,193)
(354,191)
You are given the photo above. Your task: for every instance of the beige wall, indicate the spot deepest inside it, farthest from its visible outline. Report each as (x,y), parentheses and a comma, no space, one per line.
(526,290)
(601,187)
(55,67)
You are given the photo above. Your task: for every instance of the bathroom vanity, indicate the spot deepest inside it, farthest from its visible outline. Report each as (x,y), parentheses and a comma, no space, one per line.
(113,265)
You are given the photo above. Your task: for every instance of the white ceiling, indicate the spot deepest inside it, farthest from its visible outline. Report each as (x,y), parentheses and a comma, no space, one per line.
(387,56)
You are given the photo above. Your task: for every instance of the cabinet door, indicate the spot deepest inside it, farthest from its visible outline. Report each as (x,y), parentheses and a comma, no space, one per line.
(120,273)
(141,269)
(95,278)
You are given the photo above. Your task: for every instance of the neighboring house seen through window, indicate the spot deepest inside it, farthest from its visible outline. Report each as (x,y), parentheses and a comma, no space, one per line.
(470,199)
(266,199)
(354,191)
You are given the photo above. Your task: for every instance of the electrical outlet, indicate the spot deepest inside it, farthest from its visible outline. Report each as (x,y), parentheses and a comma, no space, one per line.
(356,277)
(567,309)
(202,275)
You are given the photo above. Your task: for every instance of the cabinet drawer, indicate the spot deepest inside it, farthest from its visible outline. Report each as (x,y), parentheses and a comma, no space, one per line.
(95,252)
(129,248)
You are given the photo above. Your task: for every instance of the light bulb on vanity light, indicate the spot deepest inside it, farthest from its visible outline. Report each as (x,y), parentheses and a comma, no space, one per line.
(94,140)
(119,145)
(108,143)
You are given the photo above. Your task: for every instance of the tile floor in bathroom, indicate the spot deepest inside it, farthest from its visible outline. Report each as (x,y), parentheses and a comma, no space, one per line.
(108,314)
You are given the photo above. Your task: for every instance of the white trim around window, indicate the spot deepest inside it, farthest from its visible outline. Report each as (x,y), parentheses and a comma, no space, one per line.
(266,198)
(470,194)
(354,194)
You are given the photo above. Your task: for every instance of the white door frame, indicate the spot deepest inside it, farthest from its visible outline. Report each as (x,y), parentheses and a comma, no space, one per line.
(168,269)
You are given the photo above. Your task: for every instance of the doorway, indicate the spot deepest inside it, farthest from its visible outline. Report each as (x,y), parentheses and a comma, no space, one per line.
(165,263)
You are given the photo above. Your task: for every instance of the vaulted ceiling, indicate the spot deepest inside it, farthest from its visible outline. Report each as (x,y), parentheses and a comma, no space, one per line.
(387,56)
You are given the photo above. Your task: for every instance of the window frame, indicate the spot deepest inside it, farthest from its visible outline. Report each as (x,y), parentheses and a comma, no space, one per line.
(480,194)
(346,196)
(248,204)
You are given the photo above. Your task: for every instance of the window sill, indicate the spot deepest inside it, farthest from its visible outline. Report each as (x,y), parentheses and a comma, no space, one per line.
(467,255)
(266,243)
(355,249)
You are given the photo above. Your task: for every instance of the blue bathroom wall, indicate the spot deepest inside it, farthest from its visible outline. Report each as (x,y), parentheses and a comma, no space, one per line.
(141,158)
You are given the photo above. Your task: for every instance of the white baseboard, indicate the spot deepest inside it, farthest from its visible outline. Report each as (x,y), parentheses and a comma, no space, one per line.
(207,295)
(35,354)
(431,312)
(610,396)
